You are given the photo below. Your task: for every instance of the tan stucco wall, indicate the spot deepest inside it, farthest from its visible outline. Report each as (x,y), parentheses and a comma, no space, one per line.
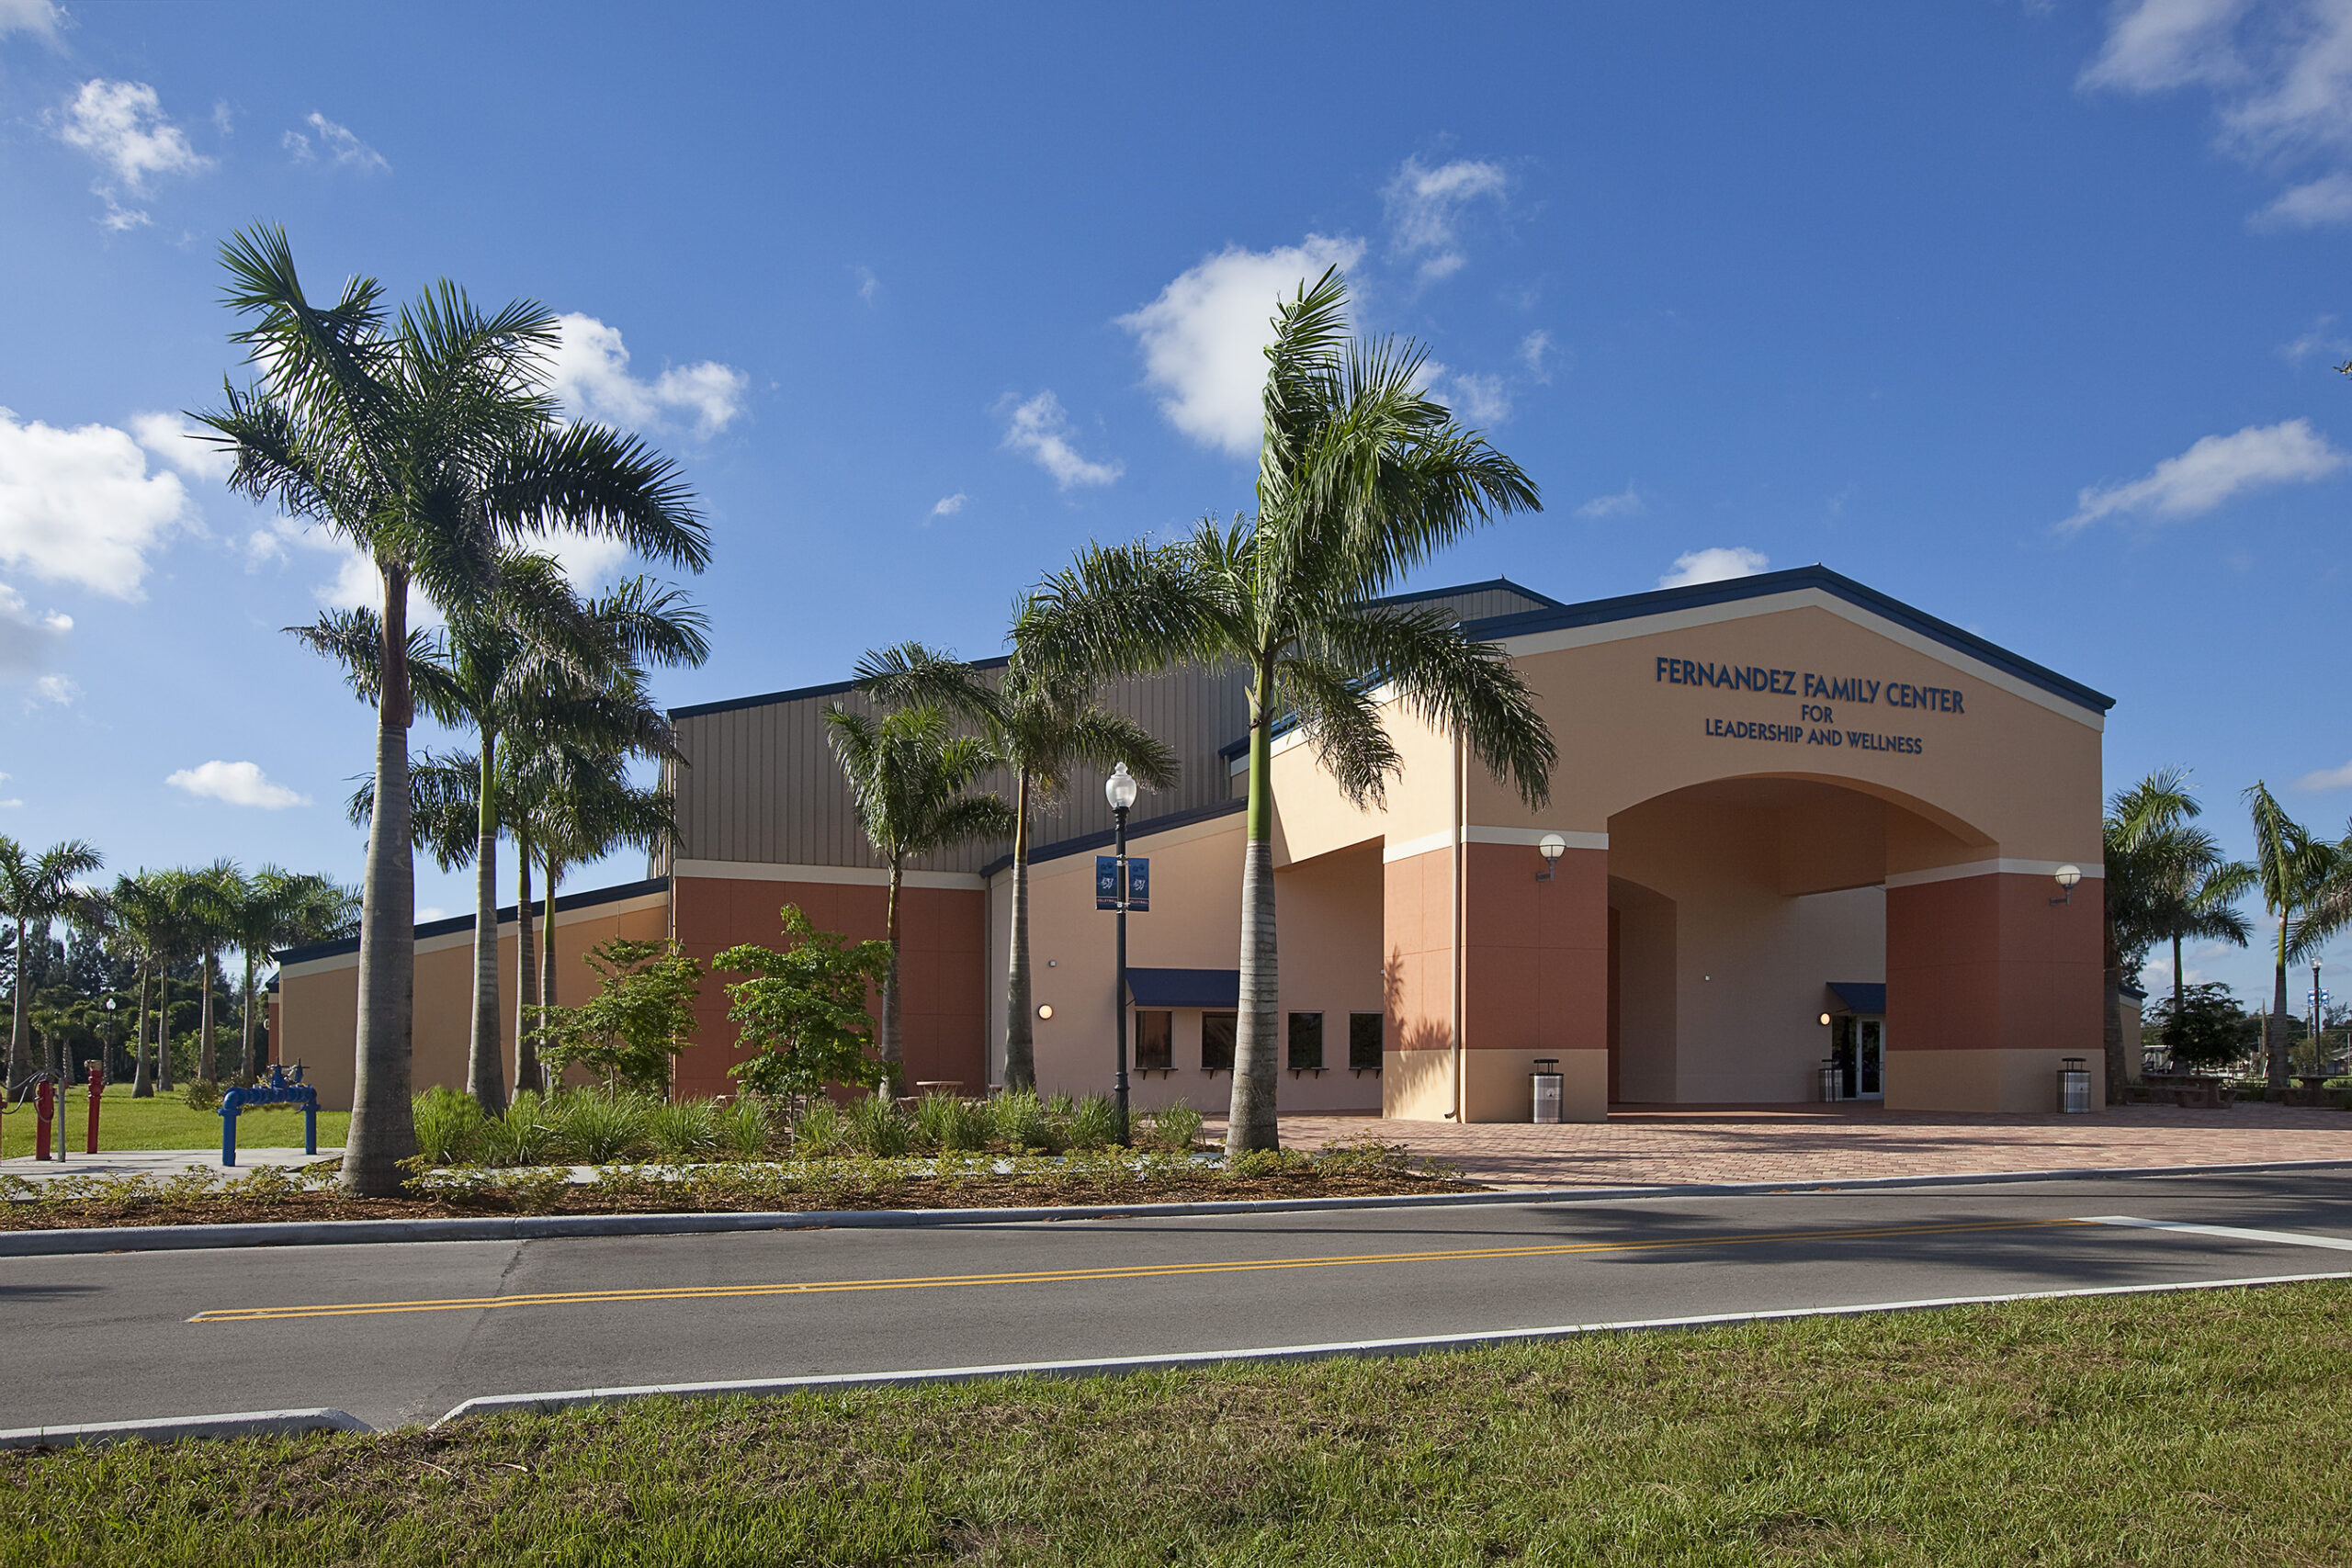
(319,1001)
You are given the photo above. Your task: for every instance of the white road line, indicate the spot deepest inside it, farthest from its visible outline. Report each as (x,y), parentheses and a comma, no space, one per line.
(2234,1233)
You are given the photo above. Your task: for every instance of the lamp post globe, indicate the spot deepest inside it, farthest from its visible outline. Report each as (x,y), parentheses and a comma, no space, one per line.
(1120,790)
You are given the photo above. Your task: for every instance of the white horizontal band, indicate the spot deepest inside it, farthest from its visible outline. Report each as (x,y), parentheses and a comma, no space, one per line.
(2092,871)
(839,875)
(1474,834)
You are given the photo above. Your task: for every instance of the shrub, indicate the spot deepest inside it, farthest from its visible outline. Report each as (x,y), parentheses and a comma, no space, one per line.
(681,1132)
(597,1129)
(948,1123)
(878,1126)
(202,1094)
(803,1011)
(449,1127)
(1094,1124)
(742,1126)
(1018,1119)
(524,1136)
(1175,1128)
(636,1022)
(820,1131)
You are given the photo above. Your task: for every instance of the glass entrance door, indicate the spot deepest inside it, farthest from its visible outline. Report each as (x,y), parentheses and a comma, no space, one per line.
(1857,1047)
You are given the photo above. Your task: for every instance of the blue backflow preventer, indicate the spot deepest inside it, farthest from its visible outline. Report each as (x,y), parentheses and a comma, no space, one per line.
(279,1091)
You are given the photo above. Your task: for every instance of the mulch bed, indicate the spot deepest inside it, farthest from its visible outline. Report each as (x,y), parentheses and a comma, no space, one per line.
(917,1193)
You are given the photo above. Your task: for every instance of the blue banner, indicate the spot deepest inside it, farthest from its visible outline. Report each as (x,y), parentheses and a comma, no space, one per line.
(1106,884)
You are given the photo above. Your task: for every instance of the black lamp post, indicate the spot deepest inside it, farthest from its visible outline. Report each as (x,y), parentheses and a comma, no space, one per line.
(1119,789)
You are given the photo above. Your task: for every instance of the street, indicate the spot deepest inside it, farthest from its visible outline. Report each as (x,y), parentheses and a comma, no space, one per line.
(400,1334)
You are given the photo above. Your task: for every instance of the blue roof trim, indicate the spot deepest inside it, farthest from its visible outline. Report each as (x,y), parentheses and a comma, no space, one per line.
(455,923)
(802,693)
(1492,585)
(1101,840)
(1184,987)
(1664,601)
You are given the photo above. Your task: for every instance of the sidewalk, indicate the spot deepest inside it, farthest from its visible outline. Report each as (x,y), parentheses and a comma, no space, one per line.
(1646,1145)
(154,1162)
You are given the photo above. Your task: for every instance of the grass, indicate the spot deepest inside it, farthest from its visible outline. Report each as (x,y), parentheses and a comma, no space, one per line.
(2193,1429)
(166,1123)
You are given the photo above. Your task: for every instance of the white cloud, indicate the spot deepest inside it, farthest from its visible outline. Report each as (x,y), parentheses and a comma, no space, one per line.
(122,125)
(38,17)
(1624,503)
(2213,471)
(2327,778)
(428,912)
(2281,80)
(60,690)
(1204,339)
(27,639)
(2320,337)
(1424,205)
(949,505)
(1482,400)
(237,784)
(1718,564)
(79,505)
(868,285)
(1039,430)
(178,445)
(1532,349)
(335,143)
(589,375)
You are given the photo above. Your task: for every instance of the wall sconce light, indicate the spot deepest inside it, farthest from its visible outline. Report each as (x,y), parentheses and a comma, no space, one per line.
(1045,1009)
(2067,877)
(1824,1020)
(1551,846)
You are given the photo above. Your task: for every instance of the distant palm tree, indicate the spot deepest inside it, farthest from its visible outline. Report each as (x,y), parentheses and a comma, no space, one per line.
(2196,899)
(142,913)
(2296,872)
(910,778)
(429,443)
(275,909)
(1043,725)
(35,890)
(207,914)
(2149,851)
(1361,478)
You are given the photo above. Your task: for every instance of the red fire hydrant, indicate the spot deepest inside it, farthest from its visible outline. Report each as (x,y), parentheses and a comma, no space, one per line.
(46,1112)
(98,1082)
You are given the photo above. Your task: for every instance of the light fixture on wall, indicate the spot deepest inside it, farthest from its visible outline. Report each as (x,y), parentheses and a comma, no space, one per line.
(1045,1009)
(2067,877)
(1824,1020)
(1552,847)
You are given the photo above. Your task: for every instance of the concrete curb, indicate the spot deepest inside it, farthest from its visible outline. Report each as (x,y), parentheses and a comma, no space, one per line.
(536,1227)
(171,1428)
(546,1404)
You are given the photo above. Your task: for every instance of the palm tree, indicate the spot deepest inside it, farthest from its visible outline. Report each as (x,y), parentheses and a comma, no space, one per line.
(142,913)
(2195,898)
(207,916)
(911,780)
(1361,478)
(35,890)
(1041,725)
(274,909)
(428,442)
(2296,872)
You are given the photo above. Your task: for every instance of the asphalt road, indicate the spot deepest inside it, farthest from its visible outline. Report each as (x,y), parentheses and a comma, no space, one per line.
(400,1334)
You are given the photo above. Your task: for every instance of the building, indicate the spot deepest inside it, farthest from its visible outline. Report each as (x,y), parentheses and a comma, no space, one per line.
(1796,820)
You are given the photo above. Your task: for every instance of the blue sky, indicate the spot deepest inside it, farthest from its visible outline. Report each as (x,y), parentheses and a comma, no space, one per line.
(2024,313)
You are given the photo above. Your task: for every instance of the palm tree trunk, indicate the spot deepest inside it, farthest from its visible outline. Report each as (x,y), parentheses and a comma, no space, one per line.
(142,1080)
(893,1048)
(2173,1029)
(208,1065)
(19,1024)
(383,1128)
(1020,1034)
(1250,1122)
(2111,1017)
(547,935)
(163,1029)
(485,1074)
(2277,1067)
(526,971)
(245,1048)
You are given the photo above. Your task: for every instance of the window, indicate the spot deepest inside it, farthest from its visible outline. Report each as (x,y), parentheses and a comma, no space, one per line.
(1155,1041)
(1365,1036)
(1307,1042)
(1217,1029)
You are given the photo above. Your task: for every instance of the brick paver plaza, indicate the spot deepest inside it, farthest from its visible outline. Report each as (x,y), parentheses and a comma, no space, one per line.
(1645,1145)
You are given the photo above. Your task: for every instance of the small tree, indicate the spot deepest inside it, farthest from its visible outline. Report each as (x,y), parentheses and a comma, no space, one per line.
(636,1022)
(804,1010)
(2207,1027)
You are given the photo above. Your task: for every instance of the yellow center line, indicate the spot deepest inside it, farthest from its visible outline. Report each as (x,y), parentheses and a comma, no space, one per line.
(1078,1276)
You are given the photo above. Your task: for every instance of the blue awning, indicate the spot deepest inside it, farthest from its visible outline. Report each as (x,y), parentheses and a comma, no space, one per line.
(1861,996)
(1185,987)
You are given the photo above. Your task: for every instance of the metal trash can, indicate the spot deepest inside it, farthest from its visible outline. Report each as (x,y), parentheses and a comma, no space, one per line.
(2074,1087)
(1831,1081)
(1544,1084)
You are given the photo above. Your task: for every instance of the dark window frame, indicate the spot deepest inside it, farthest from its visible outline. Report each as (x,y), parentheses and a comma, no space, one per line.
(1164,1059)
(1292,1053)
(1356,1053)
(1232,1021)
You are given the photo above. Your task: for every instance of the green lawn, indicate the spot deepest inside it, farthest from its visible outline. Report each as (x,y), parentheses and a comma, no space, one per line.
(2193,1429)
(166,1123)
